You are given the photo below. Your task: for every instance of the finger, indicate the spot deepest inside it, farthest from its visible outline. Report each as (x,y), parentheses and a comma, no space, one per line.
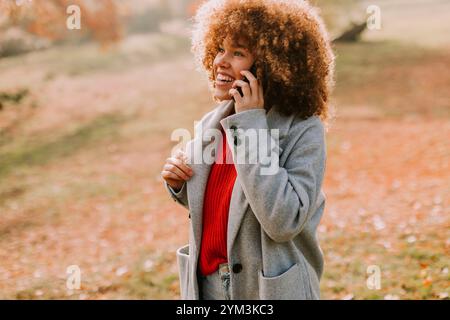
(235,94)
(245,87)
(252,80)
(176,170)
(170,175)
(180,154)
(175,184)
(173,168)
(250,76)
(180,165)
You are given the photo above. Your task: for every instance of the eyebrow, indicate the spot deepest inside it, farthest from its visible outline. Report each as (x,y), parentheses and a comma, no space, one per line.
(239,46)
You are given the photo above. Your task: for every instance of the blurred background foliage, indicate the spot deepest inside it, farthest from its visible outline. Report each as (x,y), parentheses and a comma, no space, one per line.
(85,123)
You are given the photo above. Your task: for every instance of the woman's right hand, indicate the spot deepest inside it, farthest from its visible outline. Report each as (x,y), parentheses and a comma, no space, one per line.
(176,172)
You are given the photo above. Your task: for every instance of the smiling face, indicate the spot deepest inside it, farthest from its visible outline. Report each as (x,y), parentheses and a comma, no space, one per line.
(228,63)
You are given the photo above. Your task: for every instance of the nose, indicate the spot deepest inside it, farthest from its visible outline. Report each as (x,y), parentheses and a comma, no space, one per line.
(222,61)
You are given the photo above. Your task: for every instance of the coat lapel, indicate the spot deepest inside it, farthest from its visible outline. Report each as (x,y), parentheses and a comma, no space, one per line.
(197,184)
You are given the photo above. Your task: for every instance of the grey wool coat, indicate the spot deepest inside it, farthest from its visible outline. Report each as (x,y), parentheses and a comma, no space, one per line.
(272,246)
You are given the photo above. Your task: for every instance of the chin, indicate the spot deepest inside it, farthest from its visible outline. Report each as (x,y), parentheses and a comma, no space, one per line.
(221,96)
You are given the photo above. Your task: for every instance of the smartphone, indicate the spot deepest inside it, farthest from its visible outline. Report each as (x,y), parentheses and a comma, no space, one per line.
(253,71)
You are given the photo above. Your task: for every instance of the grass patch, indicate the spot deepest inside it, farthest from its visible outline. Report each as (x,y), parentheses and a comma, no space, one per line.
(7,229)
(11,193)
(420,255)
(360,62)
(74,60)
(385,77)
(161,282)
(40,153)
(416,271)
(15,97)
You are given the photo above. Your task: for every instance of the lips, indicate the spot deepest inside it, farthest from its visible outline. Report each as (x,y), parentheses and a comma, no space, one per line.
(223,82)
(225,74)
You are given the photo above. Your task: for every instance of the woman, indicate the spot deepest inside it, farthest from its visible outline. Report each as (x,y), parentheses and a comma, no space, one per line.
(253,235)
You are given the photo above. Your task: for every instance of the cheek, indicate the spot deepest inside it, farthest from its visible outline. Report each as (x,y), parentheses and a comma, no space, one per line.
(216,60)
(236,69)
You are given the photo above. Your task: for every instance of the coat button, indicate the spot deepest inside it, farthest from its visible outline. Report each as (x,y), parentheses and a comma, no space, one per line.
(237,141)
(237,267)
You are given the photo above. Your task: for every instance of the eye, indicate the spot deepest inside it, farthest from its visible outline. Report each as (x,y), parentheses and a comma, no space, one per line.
(239,53)
(220,49)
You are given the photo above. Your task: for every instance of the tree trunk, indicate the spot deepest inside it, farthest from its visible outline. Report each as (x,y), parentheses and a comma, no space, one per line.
(353,34)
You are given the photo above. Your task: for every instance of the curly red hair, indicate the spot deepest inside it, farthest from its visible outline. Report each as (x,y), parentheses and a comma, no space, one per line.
(293,55)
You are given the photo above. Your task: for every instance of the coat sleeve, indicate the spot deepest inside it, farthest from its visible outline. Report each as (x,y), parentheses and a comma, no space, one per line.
(284,200)
(180,196)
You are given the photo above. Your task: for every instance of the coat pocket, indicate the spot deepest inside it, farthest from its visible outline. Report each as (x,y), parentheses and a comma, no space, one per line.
(183,270)
(289,285)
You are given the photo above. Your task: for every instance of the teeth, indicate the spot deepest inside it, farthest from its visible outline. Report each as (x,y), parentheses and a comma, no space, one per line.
(224,78)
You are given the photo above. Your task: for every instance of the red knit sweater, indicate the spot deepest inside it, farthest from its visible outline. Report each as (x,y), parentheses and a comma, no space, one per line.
(213,249)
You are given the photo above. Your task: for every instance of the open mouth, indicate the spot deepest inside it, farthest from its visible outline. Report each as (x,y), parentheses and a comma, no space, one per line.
(223,80)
